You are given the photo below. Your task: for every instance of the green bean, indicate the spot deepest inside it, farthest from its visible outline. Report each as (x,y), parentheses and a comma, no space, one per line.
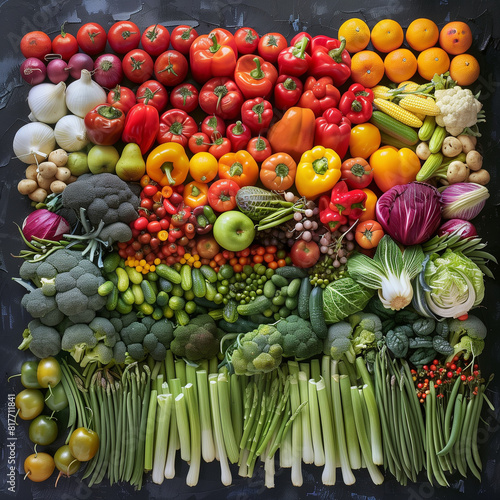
(97,426)
(475,451)
(457,449)
(139,466)
(455,429)
(103,438)
(475,403)
(450,407)
(118,415)
(434,442)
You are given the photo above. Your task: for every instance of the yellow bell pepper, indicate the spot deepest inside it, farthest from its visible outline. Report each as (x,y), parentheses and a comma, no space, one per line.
(168,164)
(317,172)
(393,167)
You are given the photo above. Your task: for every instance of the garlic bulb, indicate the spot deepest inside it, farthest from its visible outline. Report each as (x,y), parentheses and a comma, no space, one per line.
(34,142)
(70,133)
(84,94)
(47,102)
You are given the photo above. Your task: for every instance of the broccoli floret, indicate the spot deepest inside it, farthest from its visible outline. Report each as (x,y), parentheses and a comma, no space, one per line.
(338,341)
(119,352)
(89,283)
(46,270)
(37,304)
(72,302)
(258,351)
(64,260)
(163,331)
(84,317)
(48,286)
(42,340)
(134,333)
(104,331)
(148,322)
(197,340)
(53,318)
(76,339)
(299,339)
(150,342)
(136,351)
(160,352)
(129,318)
(65,282)
(116,322)
(467,337)
(118,231)
(100,353)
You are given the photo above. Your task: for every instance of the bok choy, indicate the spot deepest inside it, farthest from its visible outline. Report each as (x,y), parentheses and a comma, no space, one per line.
(390,272)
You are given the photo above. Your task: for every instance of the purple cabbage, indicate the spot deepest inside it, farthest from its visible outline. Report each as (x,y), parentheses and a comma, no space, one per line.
(410,213)
(463,228)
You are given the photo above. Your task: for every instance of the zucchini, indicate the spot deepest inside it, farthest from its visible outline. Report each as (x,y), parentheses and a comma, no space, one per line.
(437,139)
(170,274)
(279,281)
(260,318)
(230,311)
(291,272)
(394,128)
(427,128)
(208,273)
(198,280)
(316,314)
(258,305)
(149,293)
(430,166)
(186,277)
(304,293)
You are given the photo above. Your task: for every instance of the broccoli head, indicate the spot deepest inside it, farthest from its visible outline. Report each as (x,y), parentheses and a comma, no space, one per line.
(77,339)
(299,339)
(104,331)
(134,333)
(42,340)
(100,353)
(467,337)
(197,340)
(136,351)
(119,352)
(258,351)
(163,330)
(338,342)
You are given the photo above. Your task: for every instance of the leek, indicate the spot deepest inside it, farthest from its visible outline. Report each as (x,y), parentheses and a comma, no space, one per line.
(307,446)
(225,413)
(296,473)
(317,438)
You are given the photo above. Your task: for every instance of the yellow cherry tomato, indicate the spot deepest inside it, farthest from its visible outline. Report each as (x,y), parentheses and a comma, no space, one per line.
(365,140)
(203,167)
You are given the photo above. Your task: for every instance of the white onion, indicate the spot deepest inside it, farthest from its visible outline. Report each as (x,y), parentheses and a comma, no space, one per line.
(47,102)
(34,142)
(70,133)
(84,94)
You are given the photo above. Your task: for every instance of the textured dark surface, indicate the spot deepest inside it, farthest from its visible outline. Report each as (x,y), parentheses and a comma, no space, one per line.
(288,17)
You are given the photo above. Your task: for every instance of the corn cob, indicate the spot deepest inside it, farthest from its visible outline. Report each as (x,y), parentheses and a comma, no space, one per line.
(381,92)
(397,112)
(419,104)
(408,86)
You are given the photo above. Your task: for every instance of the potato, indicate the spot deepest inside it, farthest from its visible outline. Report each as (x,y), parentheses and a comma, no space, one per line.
(474,160)
(468,142)
(44,182)
(59,157)
(38,195)
(31,172)
(451,147)
(423,151)
(57,186)
(480,177)
(27,186)
(63,174)
(47,169)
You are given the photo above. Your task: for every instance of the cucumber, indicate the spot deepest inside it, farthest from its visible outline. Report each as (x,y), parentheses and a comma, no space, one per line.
(215,314)
(204,302)
(112,300)
(134,275)
(128,296)
(157,313)
(210,291)
(430,166)
(269,289)
(145,308)
(394,128)
(111,262)
(241,326)
(151,276)
(149,293)
(176,303)
(170,274)
(138,294)
(123,280)
(427,128)
(316,314)
(186,278)
(230,311)
(162,299)
(123,308)
(291,302)
(304,293)
(437,139)
(260,318)
(198,281)
(258,305)
(279,281)
(291,272)
(165,285)
(182,317)
(208,273)
(106,288)
(294,287)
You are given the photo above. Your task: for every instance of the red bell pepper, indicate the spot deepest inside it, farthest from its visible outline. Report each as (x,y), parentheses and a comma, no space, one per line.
(141,126)
(319,95)
(332,219)
(299,37)
(212,55)
(239,135)
(214,126)
(329,58)
(221,96)
(356,103)
(347,203)
(176,126)
(257,114)
(104,124)
(254,76)
(294,60)
(287,92)
(332,130)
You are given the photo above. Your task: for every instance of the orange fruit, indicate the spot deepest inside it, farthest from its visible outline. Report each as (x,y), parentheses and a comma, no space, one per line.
(422,34)
(367,68)
(400,65)
(387,35)
(356,33)
(455,37)
(432,61)
(464,69)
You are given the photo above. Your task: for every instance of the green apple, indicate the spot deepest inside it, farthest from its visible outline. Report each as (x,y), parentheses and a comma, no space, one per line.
(131,165)
(234,231)
(77,163)
(103,159)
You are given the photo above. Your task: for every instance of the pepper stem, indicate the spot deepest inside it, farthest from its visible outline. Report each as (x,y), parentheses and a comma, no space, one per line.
(167,168)
(257,73)
(258,109)
(236,169)
(320,166)
(215,47)
(336,54)
(356,106)
(220,91)
(299,49)
(238,128)
(290,84)
(195,191)
(176,128)
(109,112)
(358,170)
(281,170)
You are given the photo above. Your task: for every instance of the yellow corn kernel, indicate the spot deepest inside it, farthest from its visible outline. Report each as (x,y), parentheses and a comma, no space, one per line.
(420,104)
(398,113)
(381,92)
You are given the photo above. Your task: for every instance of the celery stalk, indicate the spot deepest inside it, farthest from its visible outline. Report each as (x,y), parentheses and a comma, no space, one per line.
(329,471)
(349,424)
(160,454)
(236,394)
(150,431)
(207,441)
(315,369)
(307,446)
(180,371)
(232,449)
(317,438)
(194,428)
(375,429)
(183,427)
(326,373)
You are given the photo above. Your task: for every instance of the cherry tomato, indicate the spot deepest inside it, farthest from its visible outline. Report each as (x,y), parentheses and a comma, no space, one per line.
(121,98)
(147,203)
(368,234)
(150,190)
(185,97)
(182,37)
(83,444)
(270,45)
(220,147)
(48,372)
(160,212)
(56,398)
(65,44)
(124,36)
(199,143)
(155,39)
(65,462)
(154,227)
(214,126)
(30,403)
(247,40)
(28,375)
(144,238)
(304,253)
(137,65)
(43,430)
(153,93)
(39,467)
(171,68)
(36,44)
(91,38)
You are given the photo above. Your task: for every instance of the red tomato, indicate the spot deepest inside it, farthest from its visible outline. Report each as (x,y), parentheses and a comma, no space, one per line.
(270,45)
(199,143)
(153,93)
(124,36)
(185,97)
(220,147)
(122,98)
(182,38)
(65,44)
(368,234)
(91,38)
(137,66)
(259,148)
(247,40)
(356,172)
(304,253)
(171,68)
(213,124)
(36,44)
(155,39)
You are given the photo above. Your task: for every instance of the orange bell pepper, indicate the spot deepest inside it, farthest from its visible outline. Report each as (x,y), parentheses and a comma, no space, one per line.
(195,194)
(168,164)
(370,202)
(239,167)
(393,167)
(277,172)
(294,133)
